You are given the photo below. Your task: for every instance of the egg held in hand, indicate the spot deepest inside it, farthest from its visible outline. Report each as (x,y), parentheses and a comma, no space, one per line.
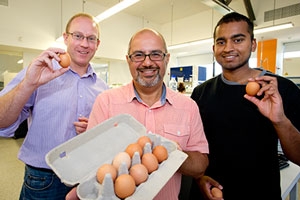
(65,60)
(216,192)
(252,88)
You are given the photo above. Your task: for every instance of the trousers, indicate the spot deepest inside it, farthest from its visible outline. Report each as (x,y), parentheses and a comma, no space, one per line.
(42,184)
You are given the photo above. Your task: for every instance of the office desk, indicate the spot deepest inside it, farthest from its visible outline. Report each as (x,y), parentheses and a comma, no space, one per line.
(289,181)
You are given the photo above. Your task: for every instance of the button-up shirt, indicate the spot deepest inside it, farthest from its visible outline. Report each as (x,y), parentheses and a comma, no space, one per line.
(51,111)
(174,116)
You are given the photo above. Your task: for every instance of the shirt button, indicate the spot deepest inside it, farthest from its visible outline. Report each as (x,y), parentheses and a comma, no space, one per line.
(178,132)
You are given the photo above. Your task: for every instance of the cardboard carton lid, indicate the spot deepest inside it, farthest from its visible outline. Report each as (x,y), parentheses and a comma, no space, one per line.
(77,160)
(74,160)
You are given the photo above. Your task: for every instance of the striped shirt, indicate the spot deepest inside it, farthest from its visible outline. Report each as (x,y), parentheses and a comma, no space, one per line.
(52,109)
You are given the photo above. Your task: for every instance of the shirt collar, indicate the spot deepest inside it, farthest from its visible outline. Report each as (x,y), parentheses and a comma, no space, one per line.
(262,73)
(89,73)
(134,95)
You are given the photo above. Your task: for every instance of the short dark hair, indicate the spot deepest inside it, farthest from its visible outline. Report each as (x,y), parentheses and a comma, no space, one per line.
(236,17)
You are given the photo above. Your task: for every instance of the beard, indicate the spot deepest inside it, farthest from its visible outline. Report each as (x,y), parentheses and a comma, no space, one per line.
(151,82)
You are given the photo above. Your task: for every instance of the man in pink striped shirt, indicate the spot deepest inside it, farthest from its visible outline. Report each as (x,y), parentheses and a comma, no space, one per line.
(161,110)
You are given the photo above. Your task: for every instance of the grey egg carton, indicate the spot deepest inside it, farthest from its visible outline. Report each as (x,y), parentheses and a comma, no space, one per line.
(76,161)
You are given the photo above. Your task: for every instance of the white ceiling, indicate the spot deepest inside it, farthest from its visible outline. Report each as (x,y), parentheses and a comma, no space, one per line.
(160,11)
(166,11)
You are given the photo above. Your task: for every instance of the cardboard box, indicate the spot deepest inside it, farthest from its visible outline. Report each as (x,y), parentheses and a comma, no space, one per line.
(77,160)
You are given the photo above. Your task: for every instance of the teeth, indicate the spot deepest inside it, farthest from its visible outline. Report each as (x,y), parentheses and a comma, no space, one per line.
(147,70)
(83,52)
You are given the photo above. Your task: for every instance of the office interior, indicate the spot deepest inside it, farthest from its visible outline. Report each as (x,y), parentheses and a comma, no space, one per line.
(29,27)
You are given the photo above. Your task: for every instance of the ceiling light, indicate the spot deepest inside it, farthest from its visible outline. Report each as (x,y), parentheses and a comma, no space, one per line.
(218,6)
(256,31)
(273,28)
(109,12)
(20,61)
(187,44)
(115,9)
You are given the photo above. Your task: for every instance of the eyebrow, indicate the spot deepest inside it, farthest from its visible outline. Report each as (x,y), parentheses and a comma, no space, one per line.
(234,36)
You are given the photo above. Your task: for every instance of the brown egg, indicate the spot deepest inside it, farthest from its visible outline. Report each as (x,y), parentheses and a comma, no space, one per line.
(120,158)
(133,147)
(124,186)
(139,173)
(105,169)
(216,192)
(252,88)
(160,152)
(150,162)
(143,140)
(65,60)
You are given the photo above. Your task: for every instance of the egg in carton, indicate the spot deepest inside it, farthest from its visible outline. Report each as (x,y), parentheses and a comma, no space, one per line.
(76,161)
(92,189)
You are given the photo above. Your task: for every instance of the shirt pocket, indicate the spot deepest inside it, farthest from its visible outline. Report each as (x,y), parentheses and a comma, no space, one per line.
(177,133)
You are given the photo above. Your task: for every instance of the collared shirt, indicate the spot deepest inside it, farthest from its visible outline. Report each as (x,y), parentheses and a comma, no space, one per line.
(174,116)
(51,111)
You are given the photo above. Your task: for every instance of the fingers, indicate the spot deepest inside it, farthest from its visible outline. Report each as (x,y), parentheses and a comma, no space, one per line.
(81,125)
(83,119)
(45,58)
(51,53)
(72,195)
(269,85)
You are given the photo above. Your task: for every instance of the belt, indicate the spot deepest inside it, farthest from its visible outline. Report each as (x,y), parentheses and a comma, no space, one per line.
(40,169)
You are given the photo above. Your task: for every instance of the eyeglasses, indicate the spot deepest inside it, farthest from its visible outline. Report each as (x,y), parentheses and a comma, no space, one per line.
(153,56)
(80,37)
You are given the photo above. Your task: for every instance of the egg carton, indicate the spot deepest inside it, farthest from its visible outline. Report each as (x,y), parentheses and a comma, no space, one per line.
(76,161)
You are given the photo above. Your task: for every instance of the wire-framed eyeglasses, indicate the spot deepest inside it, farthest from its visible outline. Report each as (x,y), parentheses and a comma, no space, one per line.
(153,56)
(80,37)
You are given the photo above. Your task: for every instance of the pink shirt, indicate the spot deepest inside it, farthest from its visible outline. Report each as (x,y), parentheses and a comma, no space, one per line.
(175,117)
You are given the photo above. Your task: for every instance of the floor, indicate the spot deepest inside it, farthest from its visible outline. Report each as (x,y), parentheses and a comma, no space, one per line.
(12,169)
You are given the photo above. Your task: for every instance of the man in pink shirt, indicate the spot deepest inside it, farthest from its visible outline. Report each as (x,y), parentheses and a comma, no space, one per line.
(161,110)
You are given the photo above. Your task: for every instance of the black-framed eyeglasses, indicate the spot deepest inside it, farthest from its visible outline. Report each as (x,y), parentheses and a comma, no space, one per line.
(80,37)
(153,56)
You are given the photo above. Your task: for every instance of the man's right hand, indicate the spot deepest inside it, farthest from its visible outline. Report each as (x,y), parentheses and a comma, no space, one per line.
(40,70)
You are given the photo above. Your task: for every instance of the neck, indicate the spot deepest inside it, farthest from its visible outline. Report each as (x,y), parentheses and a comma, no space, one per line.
(240,76)
(149,95)
(81,70)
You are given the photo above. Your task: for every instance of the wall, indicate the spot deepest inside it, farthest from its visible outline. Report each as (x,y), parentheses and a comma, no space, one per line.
(8,77)
(291,67)
(39,29)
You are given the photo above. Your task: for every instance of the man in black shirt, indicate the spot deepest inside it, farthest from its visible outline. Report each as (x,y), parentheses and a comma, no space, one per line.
(243,130)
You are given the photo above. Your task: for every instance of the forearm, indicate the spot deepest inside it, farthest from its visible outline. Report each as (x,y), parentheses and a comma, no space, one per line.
(195,164)
(12,104)
(289,138)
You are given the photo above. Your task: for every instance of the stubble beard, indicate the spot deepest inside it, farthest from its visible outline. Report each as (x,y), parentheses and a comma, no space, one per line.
(151,83)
